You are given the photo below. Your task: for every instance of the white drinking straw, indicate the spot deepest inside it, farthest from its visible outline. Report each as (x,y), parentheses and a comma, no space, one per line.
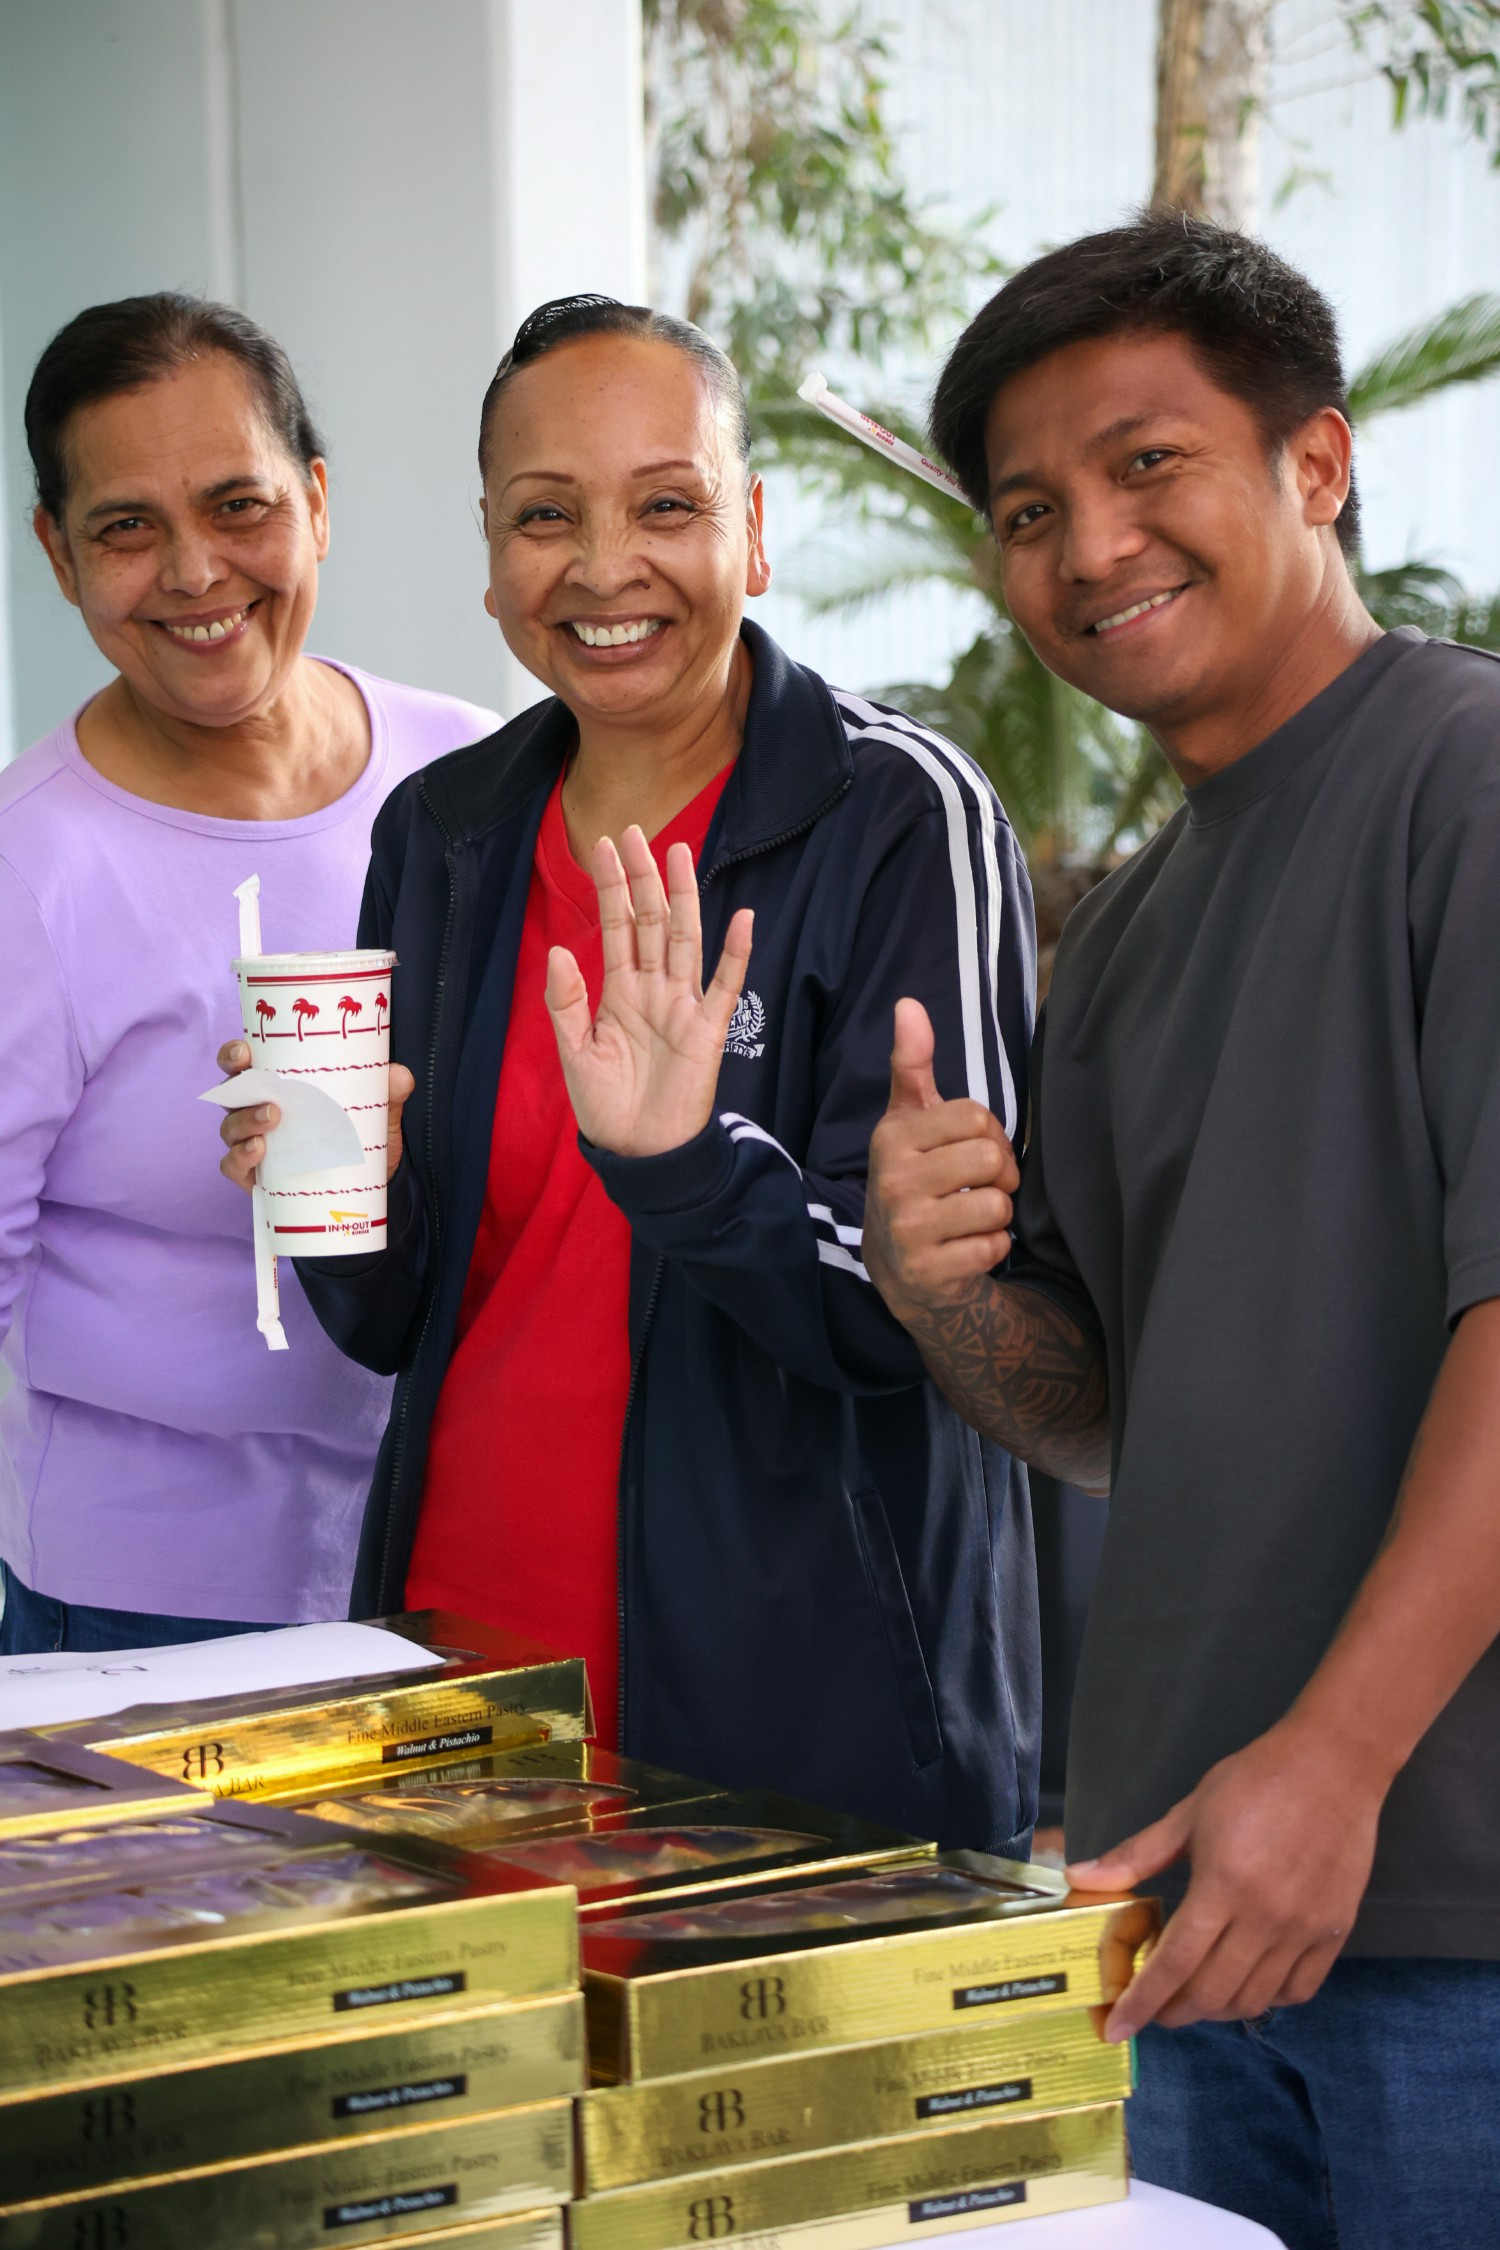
(248,894)
(879,439)
(267,1286)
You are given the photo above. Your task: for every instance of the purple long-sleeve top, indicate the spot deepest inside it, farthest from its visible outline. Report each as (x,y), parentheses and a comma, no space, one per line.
(154,1455)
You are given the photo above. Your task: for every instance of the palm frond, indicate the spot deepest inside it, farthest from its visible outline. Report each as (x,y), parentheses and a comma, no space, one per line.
(1151,794)
(1461,346)
(839,578)
(1057,759)
(1410,593)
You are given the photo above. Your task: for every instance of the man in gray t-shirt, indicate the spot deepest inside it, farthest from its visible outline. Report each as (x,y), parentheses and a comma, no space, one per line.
(1255,1281)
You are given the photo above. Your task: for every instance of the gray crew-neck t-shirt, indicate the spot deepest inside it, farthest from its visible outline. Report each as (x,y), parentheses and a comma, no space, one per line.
(1265,1169)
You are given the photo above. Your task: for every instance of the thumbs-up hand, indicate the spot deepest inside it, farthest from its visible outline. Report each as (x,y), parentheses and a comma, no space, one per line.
(942,1175)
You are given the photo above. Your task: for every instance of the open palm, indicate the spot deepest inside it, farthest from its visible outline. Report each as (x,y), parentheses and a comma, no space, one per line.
(642,1073)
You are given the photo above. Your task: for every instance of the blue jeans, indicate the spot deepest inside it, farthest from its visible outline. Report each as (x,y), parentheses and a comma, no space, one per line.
(32,1623)
(1369,2119)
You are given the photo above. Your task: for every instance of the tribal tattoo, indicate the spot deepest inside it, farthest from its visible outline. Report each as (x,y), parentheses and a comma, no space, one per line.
(1024,1374)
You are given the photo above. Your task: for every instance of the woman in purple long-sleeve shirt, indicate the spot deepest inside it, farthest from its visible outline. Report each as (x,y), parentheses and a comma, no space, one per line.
(162,1476)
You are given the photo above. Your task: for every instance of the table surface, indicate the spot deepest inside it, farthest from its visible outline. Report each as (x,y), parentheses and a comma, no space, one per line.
(1151,2218)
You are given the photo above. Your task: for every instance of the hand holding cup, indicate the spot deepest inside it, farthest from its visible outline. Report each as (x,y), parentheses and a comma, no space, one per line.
(244,1130)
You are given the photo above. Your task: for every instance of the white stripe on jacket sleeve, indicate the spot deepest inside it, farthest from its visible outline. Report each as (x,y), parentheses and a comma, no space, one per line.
(846,1240)
(960,786)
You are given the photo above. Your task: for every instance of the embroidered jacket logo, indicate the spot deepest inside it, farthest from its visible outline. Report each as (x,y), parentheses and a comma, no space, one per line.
(748,1020)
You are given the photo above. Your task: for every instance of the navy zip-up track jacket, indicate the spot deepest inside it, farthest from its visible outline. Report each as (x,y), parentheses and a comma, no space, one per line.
(826,1577)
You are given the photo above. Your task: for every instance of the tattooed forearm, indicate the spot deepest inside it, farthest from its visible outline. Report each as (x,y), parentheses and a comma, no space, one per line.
(1022,1373)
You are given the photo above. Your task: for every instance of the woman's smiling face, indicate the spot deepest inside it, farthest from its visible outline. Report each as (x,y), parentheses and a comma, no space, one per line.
(190,542)
(624,532)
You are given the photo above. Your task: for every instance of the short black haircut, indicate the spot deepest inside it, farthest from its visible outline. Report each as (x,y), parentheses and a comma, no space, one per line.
(1260,329)
(117,347)
(564,319)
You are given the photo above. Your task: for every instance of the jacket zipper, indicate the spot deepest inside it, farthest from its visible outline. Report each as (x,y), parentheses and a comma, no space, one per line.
(622,1528)
(731,859)
(398,1449)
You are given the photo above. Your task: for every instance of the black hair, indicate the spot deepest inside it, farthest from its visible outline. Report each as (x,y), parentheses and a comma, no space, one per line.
(117,347)
(564,319)
(1259,328)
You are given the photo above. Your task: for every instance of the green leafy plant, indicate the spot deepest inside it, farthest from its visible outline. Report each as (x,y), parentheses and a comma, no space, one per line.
(1462,345)
(777,197)
(779,203)
(1438,57)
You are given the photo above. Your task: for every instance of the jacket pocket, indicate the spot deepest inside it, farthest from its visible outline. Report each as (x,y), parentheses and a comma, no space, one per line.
(913,1683)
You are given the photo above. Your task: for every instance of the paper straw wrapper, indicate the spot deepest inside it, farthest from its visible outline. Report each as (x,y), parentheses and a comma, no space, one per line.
(267,1285)
(878,438)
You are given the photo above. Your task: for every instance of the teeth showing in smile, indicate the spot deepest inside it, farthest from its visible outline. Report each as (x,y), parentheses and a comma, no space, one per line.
(615,636)
(220,629)
(1137,609)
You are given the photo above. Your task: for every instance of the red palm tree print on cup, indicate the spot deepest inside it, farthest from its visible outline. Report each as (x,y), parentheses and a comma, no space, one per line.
(381,1004)
(266,1013)
(348,1007)
(304,1011)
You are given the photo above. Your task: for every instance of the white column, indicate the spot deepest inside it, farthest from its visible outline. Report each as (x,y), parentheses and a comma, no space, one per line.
(102,169)
(389,188)
(566,104)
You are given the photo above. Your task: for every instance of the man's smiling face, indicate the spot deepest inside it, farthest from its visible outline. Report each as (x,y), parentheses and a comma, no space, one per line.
(1153,551)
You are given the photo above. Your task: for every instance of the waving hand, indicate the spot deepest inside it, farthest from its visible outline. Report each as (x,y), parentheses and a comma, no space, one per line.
(642,1073)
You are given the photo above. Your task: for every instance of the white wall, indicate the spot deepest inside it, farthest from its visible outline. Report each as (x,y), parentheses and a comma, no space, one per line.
(387,185)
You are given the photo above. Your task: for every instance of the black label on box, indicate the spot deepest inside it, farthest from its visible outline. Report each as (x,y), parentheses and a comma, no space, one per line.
(404,1988)
(437,1745)
(1014,1988)
(399,2097)
(975,2097)
(964,2200)
(390,2206)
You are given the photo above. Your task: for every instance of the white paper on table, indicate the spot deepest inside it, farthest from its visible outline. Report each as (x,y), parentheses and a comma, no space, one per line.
(55,1688)
(314,1135)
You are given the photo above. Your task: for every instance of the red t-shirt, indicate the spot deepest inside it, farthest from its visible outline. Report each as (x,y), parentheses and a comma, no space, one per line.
(518,1524)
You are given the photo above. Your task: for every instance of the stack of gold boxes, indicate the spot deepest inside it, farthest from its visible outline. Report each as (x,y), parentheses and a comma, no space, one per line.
(797,2019)
(336,1999)
(222,2022)
(877,2059)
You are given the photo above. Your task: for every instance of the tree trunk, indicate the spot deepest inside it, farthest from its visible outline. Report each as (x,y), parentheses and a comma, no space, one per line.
(1211,60)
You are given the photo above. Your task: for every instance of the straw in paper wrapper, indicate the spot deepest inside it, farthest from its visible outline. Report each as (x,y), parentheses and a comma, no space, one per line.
(267,1287)
(877,437)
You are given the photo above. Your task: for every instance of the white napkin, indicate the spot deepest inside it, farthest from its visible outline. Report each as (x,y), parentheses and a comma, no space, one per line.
(314,1134)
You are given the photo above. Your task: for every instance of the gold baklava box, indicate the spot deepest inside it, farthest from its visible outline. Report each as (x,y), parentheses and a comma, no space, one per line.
(613,1851)
(47,1784)
(523,2230)
(348,2085)
(258,1925)
(751,2112)
(897,1951)
(498,1797)
(356,2191)
(890,2191)
(484,1690)
(724,1844)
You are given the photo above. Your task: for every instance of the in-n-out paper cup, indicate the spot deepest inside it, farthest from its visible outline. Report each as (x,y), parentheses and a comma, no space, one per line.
(325,1019)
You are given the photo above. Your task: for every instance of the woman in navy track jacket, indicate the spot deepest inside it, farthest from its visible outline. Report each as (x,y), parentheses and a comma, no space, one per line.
(821,1580)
